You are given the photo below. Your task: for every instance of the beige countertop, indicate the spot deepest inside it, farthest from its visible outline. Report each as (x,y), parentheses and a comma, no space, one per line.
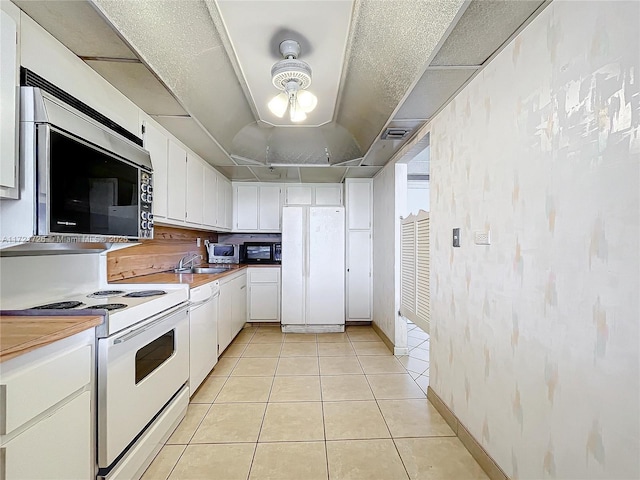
(21,334)
(192,279)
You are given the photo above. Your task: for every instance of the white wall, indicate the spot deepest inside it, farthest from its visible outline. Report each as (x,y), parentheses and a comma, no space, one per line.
(535,338)
(29,281)
(417,196)
(389,202)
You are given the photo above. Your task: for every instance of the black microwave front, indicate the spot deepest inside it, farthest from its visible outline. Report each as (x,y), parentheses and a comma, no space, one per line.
(261,252)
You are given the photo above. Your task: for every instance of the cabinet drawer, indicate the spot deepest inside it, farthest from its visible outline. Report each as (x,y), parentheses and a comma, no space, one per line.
(264,275)
(32,390)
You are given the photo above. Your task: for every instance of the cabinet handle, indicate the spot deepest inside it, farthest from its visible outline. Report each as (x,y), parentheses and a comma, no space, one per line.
(243,286)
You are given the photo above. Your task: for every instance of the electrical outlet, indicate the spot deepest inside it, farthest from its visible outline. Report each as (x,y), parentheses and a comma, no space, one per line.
(198,242)
(482,238)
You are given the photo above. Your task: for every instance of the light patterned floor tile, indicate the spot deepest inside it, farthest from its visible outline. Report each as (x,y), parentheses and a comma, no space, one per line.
(234,350)
(373,364)
(262,350)
(371,348)
(299,337)
(209,389)
(340,366)
(335,349)
(296,389)
(224,366)
(206,462)
(345,387)
(289,461)
(231,423)
(354,420)
(298,366)
(332,337)
(438,458)
(245,389)
(189,424)
(413,364)
(306,349)
(423,382)
(300,421)
(164,462)
(394,386)
(255,367)
(413,418)
(364,460)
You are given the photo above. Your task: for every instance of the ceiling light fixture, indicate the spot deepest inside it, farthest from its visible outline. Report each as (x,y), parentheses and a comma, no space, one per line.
(293,77)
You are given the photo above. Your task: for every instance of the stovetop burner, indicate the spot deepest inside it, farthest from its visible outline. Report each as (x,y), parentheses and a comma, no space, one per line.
(58,305)
(109,306)
(105,293)
(145,293)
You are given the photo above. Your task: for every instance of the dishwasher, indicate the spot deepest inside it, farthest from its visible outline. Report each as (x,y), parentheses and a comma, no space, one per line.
(203,332)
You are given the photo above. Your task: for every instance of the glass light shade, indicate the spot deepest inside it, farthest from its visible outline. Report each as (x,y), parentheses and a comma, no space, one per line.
(296,114)
(307,101)
(278,104)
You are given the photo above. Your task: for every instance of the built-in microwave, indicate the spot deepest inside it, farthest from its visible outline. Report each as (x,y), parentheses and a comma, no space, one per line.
(261,252)
(223,252)
(88,182)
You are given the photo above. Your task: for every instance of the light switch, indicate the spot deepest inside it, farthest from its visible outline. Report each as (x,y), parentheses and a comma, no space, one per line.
(456,237)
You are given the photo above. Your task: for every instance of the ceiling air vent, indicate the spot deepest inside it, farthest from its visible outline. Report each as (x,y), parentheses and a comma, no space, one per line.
(395,133)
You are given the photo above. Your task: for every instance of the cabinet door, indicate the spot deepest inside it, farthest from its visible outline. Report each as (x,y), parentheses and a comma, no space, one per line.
(177,182)
(225,309)
(59,446)
(195,190)
(246,207)
(228,208)
(239,304)
(359,205)
(157,144)
(359,275)
(8,98)
(263,302)
(328,195)
(222,202)
(210,213)
(299,194)
(269,208)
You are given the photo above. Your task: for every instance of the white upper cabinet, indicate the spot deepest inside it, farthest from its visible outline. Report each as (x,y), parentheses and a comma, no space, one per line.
(328,195)
(246,207)
(195,190)
(359,205)
(157,143)
(176,182)
(256,207)
(225,202)
(298,195)
(210,197)
(270,208)
(9,63)
(322,194)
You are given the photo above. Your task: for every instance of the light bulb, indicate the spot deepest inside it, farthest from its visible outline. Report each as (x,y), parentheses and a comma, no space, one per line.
(296,114)
(307,101)
(278,104)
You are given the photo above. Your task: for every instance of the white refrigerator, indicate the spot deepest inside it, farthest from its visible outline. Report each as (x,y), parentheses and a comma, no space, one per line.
(313,264)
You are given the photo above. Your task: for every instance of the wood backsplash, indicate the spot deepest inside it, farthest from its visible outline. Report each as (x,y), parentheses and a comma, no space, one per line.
(162,253)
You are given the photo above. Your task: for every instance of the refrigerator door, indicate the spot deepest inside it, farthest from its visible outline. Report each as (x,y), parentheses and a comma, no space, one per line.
(293,265)
(325,270)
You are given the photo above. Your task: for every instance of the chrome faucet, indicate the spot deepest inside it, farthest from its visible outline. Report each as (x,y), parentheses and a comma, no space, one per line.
(189,258)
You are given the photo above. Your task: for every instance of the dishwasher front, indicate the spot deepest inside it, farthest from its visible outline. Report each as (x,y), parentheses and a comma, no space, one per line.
(203,332)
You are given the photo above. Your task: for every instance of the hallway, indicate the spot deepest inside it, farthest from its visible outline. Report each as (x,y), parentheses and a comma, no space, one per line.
(302,406)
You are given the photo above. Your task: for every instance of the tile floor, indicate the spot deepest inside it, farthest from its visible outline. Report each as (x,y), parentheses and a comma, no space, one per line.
(333,406)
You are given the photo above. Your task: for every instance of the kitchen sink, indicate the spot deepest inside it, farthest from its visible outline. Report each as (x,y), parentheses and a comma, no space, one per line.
(209,269)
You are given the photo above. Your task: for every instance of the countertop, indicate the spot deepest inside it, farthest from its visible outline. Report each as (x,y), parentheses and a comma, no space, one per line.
(22,334)
(191,279)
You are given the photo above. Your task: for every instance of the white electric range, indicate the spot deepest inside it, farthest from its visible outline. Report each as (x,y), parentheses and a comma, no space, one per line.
(142,368)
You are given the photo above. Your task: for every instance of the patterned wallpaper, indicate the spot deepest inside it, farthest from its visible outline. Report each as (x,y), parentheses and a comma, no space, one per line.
(535,338)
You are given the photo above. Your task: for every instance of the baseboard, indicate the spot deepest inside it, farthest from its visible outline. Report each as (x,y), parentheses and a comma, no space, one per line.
(476,450)
(383,337)
(400,351)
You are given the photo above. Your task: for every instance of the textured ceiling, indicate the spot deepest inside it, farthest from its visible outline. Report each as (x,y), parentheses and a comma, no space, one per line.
(176,60)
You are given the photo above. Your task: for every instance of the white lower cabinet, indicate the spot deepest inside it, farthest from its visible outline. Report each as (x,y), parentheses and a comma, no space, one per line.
(264,294)
(232,309)
(48,429)
(203,332)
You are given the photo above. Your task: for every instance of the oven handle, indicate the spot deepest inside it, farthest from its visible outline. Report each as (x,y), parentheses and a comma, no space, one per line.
(152,323)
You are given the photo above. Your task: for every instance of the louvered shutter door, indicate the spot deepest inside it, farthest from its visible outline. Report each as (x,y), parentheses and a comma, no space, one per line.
(408,272)
(422,272)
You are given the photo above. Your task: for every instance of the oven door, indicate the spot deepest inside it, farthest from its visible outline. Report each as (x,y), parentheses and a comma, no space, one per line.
(139,370)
